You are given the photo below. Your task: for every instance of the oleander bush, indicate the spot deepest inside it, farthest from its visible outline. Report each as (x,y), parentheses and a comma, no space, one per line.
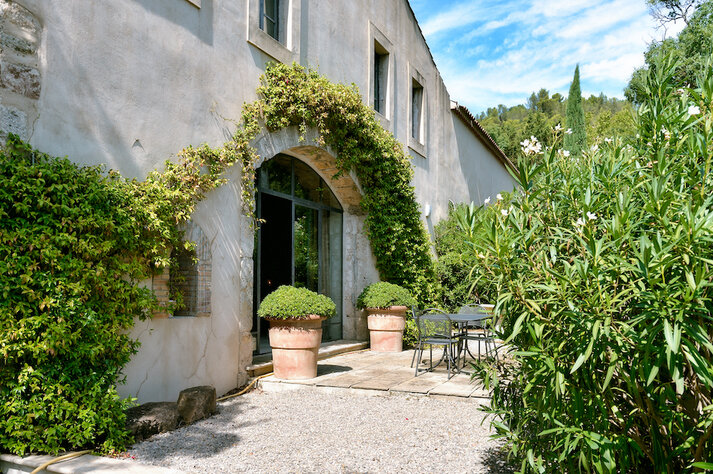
(462,279)
(604,269)
(383,295)
(289,302)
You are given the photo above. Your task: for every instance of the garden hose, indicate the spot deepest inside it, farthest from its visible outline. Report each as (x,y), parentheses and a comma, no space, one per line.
(64,457)
(270,373)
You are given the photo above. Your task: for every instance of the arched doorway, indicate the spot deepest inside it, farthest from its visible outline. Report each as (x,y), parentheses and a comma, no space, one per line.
(299,241)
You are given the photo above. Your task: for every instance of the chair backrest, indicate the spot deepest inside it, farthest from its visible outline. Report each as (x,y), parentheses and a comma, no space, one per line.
(442,327)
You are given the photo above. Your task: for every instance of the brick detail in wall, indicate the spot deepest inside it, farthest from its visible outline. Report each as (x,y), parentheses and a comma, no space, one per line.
(192,278)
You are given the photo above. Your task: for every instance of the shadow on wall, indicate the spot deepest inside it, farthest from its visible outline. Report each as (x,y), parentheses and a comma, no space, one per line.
(198,21)
(119,79)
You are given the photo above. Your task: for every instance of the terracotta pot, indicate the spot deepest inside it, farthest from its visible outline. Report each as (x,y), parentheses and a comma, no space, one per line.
(295,346)
(386,328)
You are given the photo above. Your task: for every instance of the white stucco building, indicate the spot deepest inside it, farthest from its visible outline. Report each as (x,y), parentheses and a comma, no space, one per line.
(129,83)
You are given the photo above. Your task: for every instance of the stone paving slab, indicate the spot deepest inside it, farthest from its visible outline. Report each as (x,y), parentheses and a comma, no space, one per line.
(457,387)
(386,381)
(12,464)
(351,378)
(424,383)
(385,372)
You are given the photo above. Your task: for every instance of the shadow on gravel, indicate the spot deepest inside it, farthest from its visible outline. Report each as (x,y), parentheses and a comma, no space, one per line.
(495,461)
(204,438)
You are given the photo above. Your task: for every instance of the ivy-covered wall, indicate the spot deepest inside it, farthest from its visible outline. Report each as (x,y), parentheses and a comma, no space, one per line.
(129,84)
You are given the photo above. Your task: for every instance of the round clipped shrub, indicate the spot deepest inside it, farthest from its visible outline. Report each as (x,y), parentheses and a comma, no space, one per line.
(384,295)
(288,302)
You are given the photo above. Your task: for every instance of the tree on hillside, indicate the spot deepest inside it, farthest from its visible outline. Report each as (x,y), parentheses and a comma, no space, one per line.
(509,126)
(665,11)
(575,141)
(691,50)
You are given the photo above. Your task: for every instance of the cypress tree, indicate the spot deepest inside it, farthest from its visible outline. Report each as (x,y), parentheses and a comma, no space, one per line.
(577,140)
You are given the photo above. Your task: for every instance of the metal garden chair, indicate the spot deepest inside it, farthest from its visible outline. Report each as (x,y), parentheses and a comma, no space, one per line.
(479,331)
(435,328)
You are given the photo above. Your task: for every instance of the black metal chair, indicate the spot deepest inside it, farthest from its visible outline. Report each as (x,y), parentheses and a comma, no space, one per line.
(437,330)
(479,331)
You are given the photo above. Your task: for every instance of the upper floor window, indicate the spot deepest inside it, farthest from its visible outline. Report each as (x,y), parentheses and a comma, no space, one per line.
(274,28)
(270,18)
(416,111)
(381,75)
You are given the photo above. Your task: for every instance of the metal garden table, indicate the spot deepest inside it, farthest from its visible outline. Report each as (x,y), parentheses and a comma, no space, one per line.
(463,321)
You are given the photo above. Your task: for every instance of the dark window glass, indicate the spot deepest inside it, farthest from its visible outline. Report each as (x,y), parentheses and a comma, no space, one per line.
(270,18)
(276,174)
(381,73)
(416,112)
(184,282)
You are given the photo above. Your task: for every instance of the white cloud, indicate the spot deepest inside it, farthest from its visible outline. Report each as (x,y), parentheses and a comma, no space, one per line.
(492,52)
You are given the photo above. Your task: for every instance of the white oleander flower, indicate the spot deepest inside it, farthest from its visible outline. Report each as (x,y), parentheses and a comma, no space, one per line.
(504,212)
(666,133)
(530,146)
(499,197)
(591,216)
(558,127)
(487,200)
(565,153)
(608,140)
(568,131)
(594,147)
(580,222)
(694,110)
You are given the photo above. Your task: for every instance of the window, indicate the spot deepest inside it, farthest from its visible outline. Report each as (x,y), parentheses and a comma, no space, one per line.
(270,18)
(274,28)
(190,278)
(381,75)
(416,111)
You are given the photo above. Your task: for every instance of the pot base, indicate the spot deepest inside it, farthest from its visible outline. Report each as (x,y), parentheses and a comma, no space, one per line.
(386,328)
(295,347)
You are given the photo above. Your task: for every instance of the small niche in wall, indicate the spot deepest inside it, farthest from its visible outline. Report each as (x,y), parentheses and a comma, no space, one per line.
(190,277)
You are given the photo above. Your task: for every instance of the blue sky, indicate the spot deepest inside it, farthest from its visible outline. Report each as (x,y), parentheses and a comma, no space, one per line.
(494,52)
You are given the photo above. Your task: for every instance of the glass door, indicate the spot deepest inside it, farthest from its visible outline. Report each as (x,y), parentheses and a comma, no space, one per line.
(299,241)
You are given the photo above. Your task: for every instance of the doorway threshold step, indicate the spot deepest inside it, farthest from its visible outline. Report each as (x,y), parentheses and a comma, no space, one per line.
(262,364)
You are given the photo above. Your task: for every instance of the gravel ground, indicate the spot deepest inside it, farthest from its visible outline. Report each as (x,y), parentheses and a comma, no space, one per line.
(312,430)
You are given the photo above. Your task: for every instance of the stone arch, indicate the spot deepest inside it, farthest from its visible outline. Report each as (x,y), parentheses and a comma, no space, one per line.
(287,141)
(358,262)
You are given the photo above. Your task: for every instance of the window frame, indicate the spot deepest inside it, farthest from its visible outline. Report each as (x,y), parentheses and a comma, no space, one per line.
(275,21)
(418,144)
(286,49)
(380,45)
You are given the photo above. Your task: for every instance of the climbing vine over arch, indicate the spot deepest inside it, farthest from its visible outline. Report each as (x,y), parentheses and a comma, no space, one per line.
(295,96)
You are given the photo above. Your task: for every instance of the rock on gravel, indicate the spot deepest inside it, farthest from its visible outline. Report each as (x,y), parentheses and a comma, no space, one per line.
(313,430)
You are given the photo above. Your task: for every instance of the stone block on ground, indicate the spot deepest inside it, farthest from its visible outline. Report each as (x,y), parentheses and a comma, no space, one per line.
(196,403)
(151,418)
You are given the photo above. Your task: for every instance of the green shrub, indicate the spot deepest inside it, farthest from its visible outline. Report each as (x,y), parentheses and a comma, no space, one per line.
(383,295)
(68,277)
(288,302)
(459,271)
(75,243)
(604,267)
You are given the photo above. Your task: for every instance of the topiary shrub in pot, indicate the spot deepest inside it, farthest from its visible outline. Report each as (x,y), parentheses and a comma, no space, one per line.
(386,305)
(295,316)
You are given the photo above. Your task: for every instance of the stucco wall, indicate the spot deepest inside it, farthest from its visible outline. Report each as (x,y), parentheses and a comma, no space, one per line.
(129,83)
